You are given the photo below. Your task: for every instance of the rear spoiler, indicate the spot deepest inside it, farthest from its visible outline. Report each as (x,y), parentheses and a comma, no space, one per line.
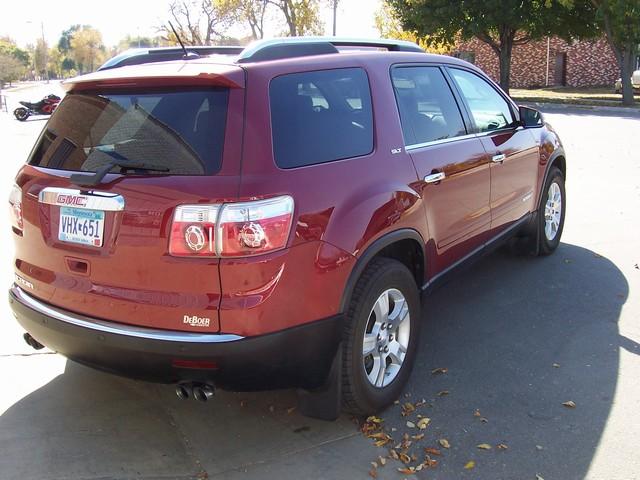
(179,73)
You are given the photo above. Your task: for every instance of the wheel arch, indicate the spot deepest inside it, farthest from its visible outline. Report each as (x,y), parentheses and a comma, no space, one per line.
(405,245)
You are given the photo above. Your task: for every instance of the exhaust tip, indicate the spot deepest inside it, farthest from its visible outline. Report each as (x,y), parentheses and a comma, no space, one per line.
(203,392)
(183,392)
(32,342)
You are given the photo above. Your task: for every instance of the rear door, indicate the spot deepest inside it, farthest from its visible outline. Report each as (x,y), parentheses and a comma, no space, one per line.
(103,250)
(452,165)
(513,150)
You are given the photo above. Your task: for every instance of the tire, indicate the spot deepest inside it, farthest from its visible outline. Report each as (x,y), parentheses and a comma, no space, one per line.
(550,233)
(21,114)
(389,277)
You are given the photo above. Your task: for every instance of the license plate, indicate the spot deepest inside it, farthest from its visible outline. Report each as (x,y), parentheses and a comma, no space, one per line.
(82,226)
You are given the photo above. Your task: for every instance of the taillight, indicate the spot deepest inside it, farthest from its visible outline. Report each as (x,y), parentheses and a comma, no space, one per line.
(193,231)
(15,207)
(232,229)
(252,228)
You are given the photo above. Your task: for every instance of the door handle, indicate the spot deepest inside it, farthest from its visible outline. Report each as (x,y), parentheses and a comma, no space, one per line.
(499,158)
(435,177)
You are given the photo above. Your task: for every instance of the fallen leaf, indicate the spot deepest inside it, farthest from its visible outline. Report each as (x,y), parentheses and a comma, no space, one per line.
(502,446)
(477,413)
(484,420)
(423,423)
(290,410)
(570,404)
(396,402)
(469,465)
(442,393)
(421,403)
(419,436)
(444,443)
(411,424)
(394,454)
(437,371)
(382,460)
(539,477)
(374,464)
(373,473)
(407,409)
(404,458)
(556,365)
(381,442)
(407,470)
(432,451)
(373,419)
(484,446)
(539,447)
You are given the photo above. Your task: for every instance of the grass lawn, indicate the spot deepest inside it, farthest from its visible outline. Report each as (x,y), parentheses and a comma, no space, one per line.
(575,96)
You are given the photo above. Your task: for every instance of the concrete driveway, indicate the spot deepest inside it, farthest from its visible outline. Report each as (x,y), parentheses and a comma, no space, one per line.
(517,337)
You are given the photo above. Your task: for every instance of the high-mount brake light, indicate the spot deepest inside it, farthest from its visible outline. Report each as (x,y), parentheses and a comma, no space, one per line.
(15,207)
(233,229)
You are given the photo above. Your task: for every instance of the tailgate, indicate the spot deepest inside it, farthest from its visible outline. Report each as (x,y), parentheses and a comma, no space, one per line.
(103,250)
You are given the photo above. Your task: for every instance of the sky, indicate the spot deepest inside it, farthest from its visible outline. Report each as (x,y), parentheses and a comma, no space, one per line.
(22,20)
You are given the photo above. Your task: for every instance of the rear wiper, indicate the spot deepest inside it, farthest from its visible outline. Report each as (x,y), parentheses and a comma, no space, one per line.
(124,164)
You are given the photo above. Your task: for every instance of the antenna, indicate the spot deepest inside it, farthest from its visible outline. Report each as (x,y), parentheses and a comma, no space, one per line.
(187,55)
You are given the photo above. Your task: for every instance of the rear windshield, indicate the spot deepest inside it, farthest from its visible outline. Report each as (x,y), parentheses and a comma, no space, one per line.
(181,131)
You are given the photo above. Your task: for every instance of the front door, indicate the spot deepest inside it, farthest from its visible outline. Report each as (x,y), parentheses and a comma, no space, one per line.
(452,165)
(513,150)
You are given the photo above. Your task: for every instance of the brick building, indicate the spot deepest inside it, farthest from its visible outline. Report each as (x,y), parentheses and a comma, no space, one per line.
(552,62)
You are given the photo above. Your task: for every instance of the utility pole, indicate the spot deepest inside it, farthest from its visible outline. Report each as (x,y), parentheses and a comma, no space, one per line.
(45,52)
(335,11)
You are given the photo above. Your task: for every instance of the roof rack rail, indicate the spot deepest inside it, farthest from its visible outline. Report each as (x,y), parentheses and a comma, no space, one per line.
(288,47)
(138,56)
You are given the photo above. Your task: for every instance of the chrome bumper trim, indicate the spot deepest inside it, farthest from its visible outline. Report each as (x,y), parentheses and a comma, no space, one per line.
(118,328)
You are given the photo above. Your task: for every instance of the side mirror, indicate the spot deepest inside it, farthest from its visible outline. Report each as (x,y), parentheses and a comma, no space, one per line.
(530,117)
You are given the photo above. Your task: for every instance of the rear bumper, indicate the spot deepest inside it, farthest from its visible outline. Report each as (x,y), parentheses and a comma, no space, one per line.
(295,357)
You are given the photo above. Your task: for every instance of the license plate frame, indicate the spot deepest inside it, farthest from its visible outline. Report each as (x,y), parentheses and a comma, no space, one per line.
(81,226)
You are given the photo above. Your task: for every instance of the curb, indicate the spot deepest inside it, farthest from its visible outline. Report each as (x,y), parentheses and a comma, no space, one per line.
(569,106)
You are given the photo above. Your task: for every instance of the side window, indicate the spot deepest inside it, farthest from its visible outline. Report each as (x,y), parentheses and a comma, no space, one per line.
(320,116)
(428,110)
(489,110)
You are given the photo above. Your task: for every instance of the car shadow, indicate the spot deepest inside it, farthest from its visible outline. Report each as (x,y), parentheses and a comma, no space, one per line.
(517,337)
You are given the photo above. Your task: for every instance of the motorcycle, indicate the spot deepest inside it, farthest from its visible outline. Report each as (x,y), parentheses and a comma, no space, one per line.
(46,106)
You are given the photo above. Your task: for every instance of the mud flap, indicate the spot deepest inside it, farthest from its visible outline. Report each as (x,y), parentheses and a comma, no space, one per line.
(324,403)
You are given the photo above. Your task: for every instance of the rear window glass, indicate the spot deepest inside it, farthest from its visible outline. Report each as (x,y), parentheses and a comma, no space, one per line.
(181,131)
(320,116)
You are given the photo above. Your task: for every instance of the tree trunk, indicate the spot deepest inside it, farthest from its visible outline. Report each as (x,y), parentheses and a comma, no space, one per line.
(626,68)
(506,47)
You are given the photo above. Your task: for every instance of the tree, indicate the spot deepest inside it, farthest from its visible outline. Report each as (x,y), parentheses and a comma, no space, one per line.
(251,12)
(389,26)
(198,22)
(9,47)
(620,20)
(87,49)
(501,24)
(11,69)
(40,57)
(302,16)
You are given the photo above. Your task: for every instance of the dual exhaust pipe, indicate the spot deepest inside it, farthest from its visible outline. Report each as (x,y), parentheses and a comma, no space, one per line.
(198,391)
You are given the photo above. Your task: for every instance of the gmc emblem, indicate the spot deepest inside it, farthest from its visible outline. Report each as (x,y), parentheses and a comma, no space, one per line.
(75,200)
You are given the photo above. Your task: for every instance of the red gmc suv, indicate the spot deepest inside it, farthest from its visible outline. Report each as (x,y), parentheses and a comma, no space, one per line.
(270,216)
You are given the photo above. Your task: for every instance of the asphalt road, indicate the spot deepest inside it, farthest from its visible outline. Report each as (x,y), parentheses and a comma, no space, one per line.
(498,329)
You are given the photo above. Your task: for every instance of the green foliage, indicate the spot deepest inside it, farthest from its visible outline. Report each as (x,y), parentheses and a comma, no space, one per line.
(9,47)
(501,24)
(11,68)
